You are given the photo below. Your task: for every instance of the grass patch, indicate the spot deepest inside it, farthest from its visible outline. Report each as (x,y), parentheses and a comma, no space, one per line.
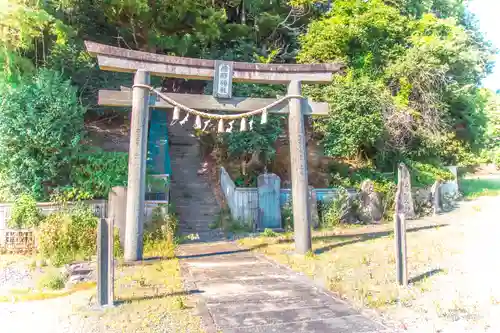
(477,187)
(225,222)
(150,297)
(269,233)
(52,281)
(360,265)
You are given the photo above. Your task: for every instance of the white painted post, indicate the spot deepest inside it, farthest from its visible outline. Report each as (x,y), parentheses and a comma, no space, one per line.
(137,169)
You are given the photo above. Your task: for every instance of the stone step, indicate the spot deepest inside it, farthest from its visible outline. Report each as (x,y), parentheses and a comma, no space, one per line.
(191,194)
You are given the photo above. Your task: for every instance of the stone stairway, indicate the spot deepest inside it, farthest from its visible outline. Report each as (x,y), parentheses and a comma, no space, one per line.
(190,192)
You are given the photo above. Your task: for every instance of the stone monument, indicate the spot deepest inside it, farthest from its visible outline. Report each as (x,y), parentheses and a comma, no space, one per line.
(406,197)
(371,203)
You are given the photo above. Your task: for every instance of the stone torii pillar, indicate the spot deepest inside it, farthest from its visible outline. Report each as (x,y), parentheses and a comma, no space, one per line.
(137,169)
(145,64)
(298,164)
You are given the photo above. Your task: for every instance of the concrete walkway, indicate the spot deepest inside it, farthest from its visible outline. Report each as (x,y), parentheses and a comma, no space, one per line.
(241,292)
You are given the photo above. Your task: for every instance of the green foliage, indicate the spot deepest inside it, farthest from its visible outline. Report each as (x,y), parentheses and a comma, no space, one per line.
(355,123)
(50,35)
(52,281)
(491,152)
(287,216)
(496,158)
(410,93)
(254,147)
(96,172)
(68,235)
(65,195)
(155,184)
(269,233)
(473,188)
(361,34)
(387,189)
(260,140)
(383,183)
(25,213)
(41,124)
(27,32)
(411,89)
(248,180)
(160,234)
(336,211)
(426,174)
(117,246)
(347,176)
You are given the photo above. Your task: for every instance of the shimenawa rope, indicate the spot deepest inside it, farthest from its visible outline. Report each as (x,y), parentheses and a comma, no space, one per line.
(216,116)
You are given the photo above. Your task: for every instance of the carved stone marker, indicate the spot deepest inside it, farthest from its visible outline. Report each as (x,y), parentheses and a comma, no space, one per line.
(105,263)
(268,187)
(400,226)
(406,197)
(371,203)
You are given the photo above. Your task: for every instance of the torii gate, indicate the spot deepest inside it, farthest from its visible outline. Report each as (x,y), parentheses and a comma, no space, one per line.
(144,64)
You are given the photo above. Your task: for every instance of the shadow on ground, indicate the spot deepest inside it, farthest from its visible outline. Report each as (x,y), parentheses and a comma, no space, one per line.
(425,275)
(358,238)
(349,240)
(158,296)
(220,253)
(151,260)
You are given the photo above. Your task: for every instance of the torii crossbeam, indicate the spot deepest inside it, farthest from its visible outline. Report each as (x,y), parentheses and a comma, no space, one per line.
(144,64)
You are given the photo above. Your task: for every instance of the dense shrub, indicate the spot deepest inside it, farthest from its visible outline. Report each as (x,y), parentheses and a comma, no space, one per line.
(41,132)
(41,125)
(355,122)
(411,86)
(96,172)
(68,235)
(25,213)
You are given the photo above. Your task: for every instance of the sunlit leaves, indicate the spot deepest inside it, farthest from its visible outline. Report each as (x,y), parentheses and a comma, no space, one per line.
(41,123)
(422,56)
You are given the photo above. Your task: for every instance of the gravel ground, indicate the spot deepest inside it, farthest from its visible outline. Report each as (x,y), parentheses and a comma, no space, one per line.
(54,315)
(149,305)
(73,314)
(465,295)
(14,276)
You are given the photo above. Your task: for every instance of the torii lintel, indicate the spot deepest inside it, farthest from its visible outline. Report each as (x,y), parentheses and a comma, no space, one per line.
(124,60)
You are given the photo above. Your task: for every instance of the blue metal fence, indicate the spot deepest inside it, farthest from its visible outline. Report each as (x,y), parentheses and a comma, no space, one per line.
(243,201)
